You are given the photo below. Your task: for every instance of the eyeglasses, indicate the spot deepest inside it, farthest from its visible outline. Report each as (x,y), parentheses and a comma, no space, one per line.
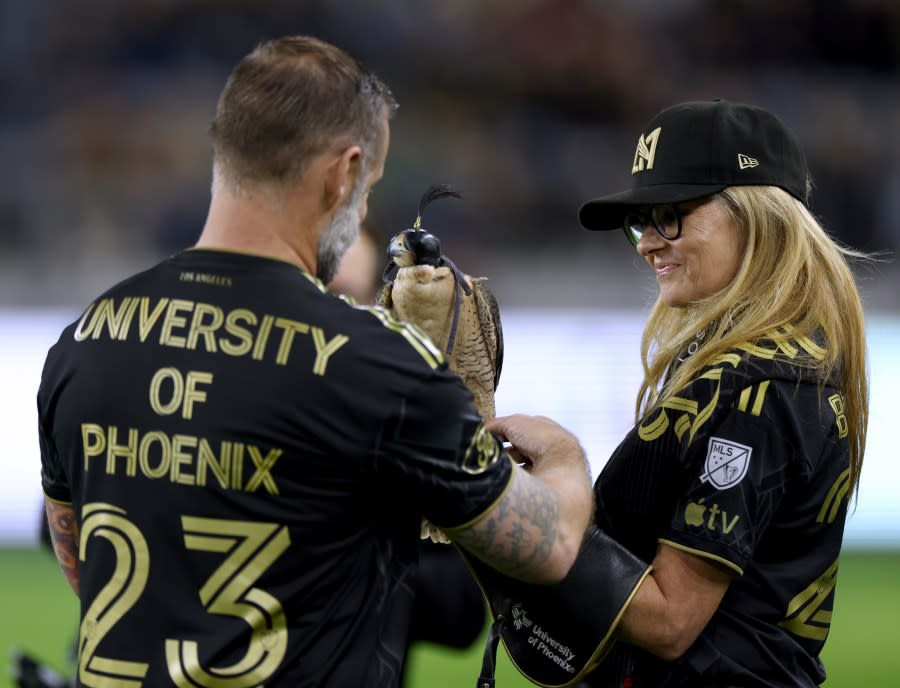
(665,219)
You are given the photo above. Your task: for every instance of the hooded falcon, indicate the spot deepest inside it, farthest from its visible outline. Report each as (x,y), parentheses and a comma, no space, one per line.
(458,312)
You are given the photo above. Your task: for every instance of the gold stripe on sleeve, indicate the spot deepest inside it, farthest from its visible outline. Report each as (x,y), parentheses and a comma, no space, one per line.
(491,507)
(702,554)
(57,501)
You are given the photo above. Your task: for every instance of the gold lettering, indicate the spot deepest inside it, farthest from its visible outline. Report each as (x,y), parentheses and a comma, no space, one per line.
(290,327)
(713,512)
(729,526)
(125,324)
(324,350)
(146,321)
(117,321)
(199,329)
(177,392)
(165,454)
(183,459)
(180,459)
(126,451)
(244,336)
(100,315)
(173,320)
(263,466)
(192,394)
(80,333)
(192,325)
(262,337)
(840,418)
(206,458)
(237,466)
(89,432)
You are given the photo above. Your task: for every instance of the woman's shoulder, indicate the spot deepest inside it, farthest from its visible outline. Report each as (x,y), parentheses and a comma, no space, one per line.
(775,355)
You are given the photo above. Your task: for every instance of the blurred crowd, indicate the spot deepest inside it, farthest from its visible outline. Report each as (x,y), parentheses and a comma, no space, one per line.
(528,106)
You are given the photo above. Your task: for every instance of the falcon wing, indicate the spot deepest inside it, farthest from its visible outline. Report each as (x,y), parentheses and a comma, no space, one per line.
(491,329)
(383,298)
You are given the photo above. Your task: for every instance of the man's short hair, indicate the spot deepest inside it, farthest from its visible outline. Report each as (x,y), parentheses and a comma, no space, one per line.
(288,101)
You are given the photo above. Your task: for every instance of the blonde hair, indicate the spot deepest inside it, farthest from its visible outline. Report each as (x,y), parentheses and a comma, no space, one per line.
(793,279)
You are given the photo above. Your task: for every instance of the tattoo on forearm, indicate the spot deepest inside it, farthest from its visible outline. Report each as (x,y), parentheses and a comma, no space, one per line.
(64,535)
(520,532)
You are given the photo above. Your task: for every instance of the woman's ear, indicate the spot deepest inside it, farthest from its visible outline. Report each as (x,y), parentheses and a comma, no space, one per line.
(341,176)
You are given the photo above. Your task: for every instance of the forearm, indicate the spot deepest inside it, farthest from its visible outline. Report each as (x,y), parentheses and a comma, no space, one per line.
(576,505)
(555,460)
(64,535)
(675,603)
(531,534)
(535,531)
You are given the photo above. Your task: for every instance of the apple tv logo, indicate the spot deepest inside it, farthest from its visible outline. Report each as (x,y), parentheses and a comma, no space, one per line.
(695,515)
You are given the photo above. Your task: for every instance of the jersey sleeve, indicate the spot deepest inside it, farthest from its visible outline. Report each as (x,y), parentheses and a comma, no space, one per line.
(737,470)
(54,481)
(436,449)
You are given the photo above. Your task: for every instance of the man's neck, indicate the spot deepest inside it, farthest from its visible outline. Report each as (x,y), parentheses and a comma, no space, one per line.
(249,224)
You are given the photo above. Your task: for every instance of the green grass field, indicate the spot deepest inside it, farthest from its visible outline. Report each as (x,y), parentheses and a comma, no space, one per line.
(38,613)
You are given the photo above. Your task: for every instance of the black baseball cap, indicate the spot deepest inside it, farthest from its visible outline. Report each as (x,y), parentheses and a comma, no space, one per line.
(695,149)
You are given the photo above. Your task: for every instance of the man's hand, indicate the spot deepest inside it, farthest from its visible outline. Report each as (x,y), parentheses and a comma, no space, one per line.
(539,443)
(535,532)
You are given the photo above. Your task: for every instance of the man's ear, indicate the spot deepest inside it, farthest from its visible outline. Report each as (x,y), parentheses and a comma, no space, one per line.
(341,176)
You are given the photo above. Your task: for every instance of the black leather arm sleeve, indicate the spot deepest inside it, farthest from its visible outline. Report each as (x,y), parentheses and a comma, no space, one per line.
(555,634)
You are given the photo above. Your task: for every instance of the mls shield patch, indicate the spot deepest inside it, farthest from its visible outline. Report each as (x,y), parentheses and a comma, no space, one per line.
(726,463)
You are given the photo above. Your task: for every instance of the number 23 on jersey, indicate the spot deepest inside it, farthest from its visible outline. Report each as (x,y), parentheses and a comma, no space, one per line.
(249,549)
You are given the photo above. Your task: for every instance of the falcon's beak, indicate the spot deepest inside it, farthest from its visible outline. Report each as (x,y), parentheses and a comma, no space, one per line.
(399,251)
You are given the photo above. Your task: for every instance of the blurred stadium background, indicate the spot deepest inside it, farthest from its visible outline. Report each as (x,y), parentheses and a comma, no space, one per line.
(530,107)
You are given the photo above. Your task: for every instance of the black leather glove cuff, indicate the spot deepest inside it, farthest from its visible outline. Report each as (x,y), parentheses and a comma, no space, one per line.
(555,634)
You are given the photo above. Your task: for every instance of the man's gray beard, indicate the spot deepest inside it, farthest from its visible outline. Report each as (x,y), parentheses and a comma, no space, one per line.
(335,241)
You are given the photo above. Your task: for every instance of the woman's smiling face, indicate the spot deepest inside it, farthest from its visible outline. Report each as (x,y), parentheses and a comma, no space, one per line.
(703,260)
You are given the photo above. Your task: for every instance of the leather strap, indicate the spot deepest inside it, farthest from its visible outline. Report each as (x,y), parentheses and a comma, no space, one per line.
(489,663)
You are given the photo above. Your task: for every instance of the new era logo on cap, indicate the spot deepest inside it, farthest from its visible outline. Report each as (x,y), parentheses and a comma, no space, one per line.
(745,161)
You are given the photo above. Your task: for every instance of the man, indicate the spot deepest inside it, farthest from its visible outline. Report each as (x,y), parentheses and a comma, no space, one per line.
(359,274)
(236,462)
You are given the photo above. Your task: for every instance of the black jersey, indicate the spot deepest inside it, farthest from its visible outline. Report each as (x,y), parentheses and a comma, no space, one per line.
(249,459)
(747,466)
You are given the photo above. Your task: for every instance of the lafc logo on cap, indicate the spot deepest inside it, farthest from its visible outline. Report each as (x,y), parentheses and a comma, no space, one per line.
(745,161)
(646,151)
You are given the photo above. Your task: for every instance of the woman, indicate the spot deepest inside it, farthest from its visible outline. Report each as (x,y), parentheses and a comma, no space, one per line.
(751,419)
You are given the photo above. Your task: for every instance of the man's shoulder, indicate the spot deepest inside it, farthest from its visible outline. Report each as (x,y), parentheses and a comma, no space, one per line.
(397,336)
